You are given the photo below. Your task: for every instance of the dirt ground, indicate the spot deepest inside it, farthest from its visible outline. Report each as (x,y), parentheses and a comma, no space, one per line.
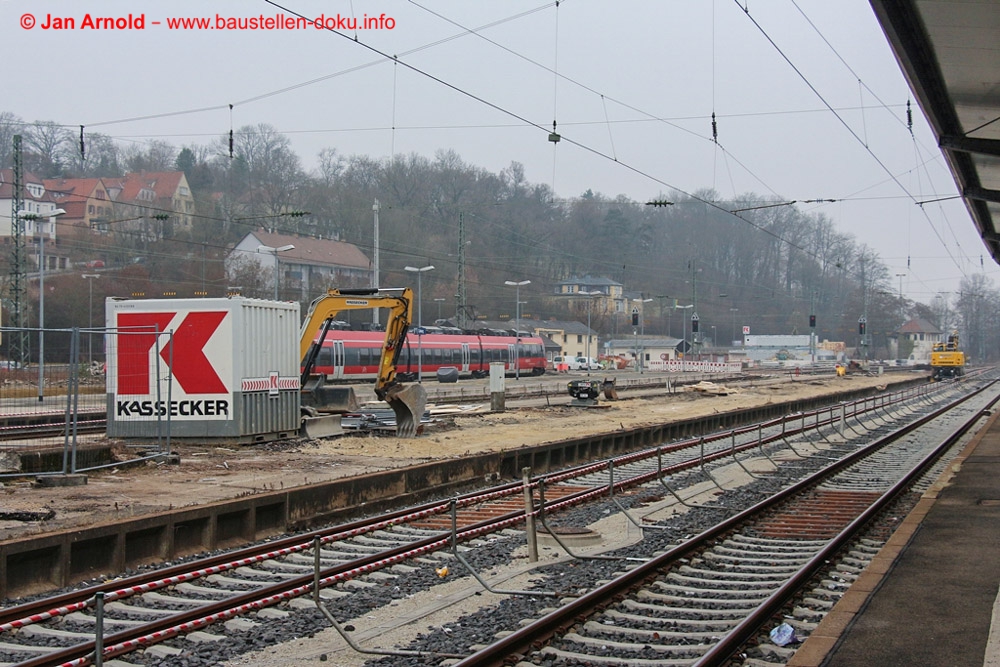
(208,473)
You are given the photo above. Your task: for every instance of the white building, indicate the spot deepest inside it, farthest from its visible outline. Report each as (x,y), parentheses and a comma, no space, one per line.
(35,201)
(309,266)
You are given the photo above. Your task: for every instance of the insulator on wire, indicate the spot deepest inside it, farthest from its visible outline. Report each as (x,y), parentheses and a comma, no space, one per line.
(83,150)
(909,117)
(715,129)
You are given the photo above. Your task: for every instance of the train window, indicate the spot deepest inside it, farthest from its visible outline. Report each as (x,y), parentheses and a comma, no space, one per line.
(325,357)
(364,356)
(351,356)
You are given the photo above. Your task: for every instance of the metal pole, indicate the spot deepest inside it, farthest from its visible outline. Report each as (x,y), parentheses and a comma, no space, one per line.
(41,315)
(99,629)
(420,327)
(275,274)
(517,332)
(529,517)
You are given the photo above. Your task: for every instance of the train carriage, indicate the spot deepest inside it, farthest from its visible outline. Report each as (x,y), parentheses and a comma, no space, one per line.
(354,355)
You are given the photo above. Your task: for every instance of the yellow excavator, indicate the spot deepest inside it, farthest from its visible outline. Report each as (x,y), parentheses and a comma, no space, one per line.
(407,401)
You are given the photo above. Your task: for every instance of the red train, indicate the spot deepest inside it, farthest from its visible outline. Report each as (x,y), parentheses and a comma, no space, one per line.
(354,355)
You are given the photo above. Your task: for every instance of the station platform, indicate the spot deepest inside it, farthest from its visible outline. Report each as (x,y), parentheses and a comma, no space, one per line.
(931,596)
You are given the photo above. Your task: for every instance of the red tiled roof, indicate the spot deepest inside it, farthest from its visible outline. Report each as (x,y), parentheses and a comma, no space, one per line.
(919,325)
(164,184)
(7,185)
(315,251)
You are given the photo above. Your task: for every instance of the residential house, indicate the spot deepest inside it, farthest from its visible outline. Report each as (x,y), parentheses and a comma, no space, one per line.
(86,202)
(574,339)
(309,266)
(139,197)
(609,300)
(37,201)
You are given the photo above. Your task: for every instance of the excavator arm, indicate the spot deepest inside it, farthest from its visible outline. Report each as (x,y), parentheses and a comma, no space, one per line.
(407,401)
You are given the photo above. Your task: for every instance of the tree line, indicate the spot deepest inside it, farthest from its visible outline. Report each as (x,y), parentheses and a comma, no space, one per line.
(748,260)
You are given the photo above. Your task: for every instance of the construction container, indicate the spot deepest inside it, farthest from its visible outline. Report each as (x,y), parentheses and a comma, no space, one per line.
(205,369)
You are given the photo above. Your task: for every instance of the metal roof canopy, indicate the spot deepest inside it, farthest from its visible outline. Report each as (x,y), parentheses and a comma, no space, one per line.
(949,51)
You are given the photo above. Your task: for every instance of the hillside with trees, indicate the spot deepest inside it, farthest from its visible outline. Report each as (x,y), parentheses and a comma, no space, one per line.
(752,259)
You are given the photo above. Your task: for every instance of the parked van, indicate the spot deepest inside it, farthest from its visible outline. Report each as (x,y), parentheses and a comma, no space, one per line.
(567,363)
(590,364)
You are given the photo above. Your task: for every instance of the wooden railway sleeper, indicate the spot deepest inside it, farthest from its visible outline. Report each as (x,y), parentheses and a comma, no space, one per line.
(342,631)
(468,566)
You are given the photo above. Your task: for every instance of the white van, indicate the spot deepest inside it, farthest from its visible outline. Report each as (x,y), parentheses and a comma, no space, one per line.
(568,363)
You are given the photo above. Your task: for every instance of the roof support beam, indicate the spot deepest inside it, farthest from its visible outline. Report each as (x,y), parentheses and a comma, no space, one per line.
(982,194)
(971,145)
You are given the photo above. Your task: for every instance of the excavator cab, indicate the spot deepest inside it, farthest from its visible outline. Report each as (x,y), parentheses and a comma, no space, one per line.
(408,402)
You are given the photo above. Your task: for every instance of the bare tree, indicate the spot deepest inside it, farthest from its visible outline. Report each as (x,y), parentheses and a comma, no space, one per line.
(46,145)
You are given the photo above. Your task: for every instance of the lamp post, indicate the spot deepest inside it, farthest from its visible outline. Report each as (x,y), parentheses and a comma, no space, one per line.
(590,308)
(40,231)
(274,251)
(733,311)
(517,323)
(642,331)
(420,327)
(89,277)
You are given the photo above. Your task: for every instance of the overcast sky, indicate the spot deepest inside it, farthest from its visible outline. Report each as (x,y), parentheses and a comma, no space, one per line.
(631,84)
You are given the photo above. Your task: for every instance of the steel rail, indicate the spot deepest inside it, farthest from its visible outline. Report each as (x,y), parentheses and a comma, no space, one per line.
(41,610)
(515,646)
(224,608)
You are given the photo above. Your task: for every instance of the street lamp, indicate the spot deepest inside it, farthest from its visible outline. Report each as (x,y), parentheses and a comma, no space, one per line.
(517,323)
(274,251)
(420,330)
(89,277)
(590,308)
(40,231)
(642,331)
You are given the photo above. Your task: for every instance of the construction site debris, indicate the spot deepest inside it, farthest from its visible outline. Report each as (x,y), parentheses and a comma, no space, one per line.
(712,389)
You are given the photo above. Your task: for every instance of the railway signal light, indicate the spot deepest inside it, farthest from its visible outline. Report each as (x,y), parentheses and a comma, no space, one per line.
(812,321)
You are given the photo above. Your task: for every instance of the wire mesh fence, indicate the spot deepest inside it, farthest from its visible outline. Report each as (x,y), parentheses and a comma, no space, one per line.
(55,400)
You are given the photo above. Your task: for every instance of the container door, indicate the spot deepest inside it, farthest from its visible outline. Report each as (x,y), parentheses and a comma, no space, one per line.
(338,359)
(466,356)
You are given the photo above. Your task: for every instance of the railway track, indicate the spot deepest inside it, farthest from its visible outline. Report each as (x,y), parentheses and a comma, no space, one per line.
(146,617)
(720,592)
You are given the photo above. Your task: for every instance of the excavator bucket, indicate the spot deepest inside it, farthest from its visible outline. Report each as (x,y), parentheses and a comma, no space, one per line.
(409,403)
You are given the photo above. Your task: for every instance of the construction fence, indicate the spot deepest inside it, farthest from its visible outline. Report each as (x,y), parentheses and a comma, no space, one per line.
(55,396)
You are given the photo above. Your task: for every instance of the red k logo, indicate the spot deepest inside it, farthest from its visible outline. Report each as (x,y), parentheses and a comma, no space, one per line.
(191,368)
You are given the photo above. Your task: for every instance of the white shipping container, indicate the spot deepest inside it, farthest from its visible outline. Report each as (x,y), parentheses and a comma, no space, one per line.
(208,368)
